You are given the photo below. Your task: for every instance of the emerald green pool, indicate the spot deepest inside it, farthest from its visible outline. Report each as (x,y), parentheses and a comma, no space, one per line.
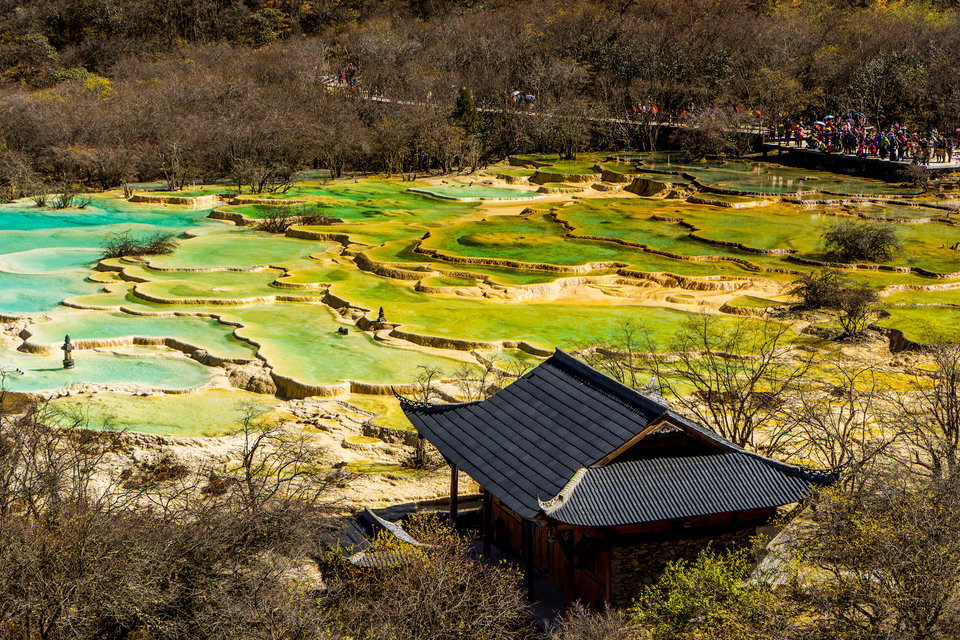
(927,325)
(458,191)
(301,342)
(238,249)
(109,325)
(282,298)
(539,240)
(213,412)
(46,372)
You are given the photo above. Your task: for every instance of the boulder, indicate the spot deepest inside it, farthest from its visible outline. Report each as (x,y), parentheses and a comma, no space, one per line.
(252,377)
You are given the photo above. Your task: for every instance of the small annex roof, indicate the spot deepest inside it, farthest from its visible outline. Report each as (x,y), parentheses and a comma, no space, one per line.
(360,533)
(652,489)
(549,444)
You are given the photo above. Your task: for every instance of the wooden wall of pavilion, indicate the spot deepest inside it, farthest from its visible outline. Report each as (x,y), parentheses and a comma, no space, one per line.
(590,577)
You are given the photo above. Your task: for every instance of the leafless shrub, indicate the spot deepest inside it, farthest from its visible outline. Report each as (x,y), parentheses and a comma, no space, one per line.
(438,590)
(621,358)
(929,412)
(821,289)
(64,197)
(39,198)
(849,241)
(840,422)
(278,467)
(280,218)
(276,220)
(856,308)
(919,176)
(118,245)
(155,472)
(581,623)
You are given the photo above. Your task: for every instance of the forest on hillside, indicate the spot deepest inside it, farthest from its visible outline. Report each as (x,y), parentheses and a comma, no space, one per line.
(103,92)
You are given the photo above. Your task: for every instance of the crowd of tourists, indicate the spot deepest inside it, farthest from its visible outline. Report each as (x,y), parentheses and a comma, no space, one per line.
(850,135)
(349,76)
(519,98)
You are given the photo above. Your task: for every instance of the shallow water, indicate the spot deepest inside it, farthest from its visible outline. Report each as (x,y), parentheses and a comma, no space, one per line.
(53,260)
(205,413)
(467,191)
(302,342)
(768,177)
(219,269)
(46,372)
(928,325)
(107,325)
(541,241)
(238,249)
(28,293)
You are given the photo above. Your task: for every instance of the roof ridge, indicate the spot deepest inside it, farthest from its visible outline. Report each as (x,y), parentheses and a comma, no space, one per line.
(809,474)
(628,395)
(429,407)
(557,502)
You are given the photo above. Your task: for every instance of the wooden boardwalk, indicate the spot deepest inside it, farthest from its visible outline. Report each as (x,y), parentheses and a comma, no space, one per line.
(787,154)
(871,164)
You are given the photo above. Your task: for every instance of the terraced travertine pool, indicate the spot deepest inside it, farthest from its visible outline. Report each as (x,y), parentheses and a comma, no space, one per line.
(459,265)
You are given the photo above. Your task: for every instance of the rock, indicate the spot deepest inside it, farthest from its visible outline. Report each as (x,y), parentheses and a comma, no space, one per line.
(660,189)
(252,377)
(205,357)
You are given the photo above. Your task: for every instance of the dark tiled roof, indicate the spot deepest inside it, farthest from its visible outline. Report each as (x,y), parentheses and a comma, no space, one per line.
(528,441)
(654,489)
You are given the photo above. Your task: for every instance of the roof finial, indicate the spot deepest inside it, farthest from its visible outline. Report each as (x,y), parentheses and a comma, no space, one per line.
(652,390)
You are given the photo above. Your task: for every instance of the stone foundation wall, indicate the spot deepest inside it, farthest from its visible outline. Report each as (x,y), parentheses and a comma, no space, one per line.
(633,566)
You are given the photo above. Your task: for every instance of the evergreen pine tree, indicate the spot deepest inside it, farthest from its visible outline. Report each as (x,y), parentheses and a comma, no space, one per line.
(465,112)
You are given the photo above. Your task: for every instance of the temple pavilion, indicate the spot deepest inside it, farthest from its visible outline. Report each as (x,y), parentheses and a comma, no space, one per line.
(600,485)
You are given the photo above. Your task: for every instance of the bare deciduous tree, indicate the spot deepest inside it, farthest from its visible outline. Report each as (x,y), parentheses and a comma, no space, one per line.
(930,414)
(884,562)
(621,358)
(277,467)
(733,376)
(839,421)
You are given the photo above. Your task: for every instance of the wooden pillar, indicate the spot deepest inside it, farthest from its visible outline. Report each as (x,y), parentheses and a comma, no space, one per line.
(528,556)
(487,522)
(454,491)
(608,577)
